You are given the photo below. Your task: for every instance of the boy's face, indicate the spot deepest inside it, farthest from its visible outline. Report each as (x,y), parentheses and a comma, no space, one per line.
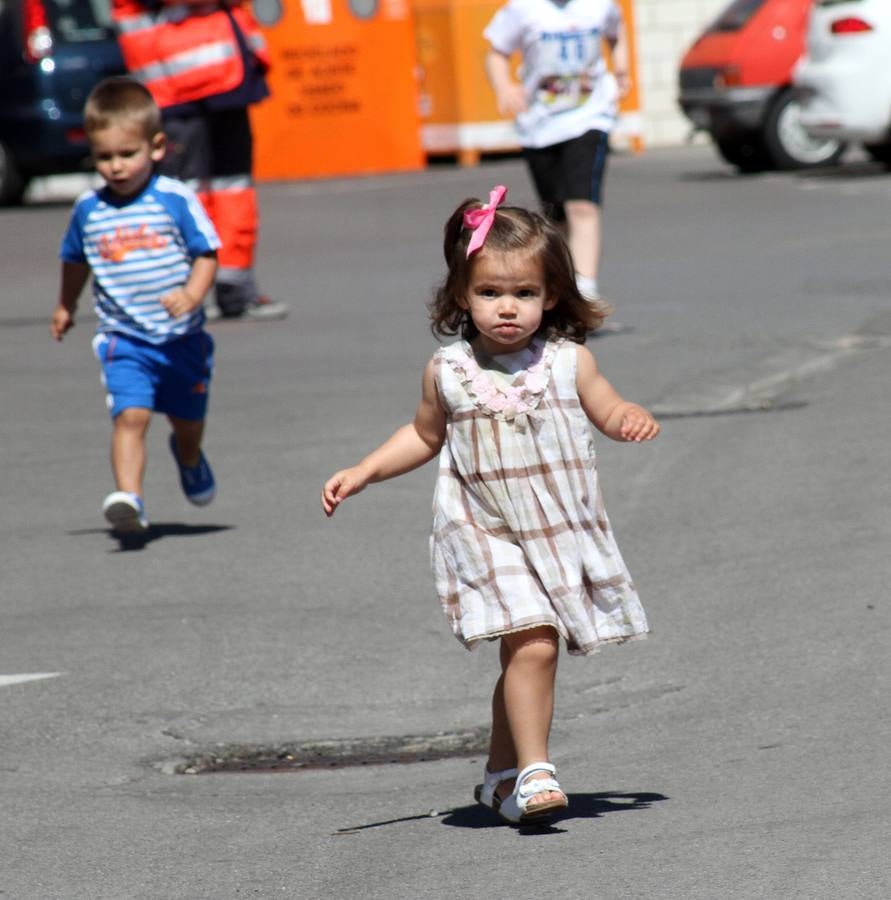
(124,156)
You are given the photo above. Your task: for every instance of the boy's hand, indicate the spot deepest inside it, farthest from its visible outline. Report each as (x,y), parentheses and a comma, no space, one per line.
(638,425)
(511,99)
(179,302)
(62,320)
(341,485)
(623,82)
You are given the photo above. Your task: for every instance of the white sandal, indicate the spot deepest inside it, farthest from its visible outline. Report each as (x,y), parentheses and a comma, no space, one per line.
(485,793)
(515,808)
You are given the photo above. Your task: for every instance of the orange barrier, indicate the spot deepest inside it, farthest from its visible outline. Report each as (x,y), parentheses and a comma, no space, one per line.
(458,106)
(629,128)
(344,91)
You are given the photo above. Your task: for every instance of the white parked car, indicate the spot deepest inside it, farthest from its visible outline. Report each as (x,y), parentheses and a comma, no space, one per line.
(844,77)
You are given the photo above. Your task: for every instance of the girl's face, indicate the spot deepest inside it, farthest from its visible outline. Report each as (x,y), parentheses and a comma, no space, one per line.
(506,299)
(124,157)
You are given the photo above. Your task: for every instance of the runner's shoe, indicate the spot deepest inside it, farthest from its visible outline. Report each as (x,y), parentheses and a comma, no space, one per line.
(264,309)
(197,482)
(125,512)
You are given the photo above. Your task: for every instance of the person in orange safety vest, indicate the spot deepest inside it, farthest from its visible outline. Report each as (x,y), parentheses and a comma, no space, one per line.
(205,64)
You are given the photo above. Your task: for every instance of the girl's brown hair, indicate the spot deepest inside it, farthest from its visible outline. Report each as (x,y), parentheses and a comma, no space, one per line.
(514,230)
(120,100)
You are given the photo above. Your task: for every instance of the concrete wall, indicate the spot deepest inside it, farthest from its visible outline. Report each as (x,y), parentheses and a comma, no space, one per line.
(665,29)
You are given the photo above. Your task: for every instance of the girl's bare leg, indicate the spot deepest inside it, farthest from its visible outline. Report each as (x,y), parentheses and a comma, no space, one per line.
(502,753)
(128,448)
(523,703)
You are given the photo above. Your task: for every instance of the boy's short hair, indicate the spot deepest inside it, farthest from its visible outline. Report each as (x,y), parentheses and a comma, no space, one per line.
(119,100)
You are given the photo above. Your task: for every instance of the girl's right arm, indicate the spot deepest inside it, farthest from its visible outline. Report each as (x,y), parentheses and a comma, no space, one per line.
(74,277)
(411,446)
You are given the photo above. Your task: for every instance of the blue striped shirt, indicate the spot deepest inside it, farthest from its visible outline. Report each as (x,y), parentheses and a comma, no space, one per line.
(139,249)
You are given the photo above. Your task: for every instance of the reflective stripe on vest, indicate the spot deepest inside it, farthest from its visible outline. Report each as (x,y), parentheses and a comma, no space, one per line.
(206,55)
(220,183)
(134,24)
(257,43)
(182,56)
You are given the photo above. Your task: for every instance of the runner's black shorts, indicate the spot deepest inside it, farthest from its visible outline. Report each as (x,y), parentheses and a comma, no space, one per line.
(570,170)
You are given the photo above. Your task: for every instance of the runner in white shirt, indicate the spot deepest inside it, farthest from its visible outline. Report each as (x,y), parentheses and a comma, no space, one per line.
(565,107)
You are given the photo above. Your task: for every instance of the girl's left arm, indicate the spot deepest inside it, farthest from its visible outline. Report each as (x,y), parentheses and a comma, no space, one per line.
(410,447)
(604,406)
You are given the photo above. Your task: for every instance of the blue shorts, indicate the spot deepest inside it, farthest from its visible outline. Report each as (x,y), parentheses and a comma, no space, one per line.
(171,378)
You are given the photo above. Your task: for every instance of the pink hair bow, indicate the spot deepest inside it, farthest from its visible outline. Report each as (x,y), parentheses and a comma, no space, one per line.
(480,220)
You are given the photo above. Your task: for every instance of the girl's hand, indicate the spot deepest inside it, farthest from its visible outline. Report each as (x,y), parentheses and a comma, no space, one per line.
(637,424)
(179,302)
(341,485)
(61,321)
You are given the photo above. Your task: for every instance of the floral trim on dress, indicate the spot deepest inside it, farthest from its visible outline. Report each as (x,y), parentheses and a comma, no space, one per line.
(518,402)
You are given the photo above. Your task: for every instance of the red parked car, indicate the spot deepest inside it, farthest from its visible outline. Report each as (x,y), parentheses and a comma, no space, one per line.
(736,84)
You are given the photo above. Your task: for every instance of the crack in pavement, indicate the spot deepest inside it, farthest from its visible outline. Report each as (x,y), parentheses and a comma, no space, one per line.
(775,376)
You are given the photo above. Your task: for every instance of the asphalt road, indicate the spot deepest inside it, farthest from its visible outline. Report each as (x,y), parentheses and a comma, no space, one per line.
(746,741)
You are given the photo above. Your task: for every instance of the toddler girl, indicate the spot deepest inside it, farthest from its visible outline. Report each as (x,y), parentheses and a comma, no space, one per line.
(522,550)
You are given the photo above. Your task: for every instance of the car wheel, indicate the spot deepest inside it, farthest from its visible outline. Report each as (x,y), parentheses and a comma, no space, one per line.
(789,145)
(745,151)
(881,153)
(12,181)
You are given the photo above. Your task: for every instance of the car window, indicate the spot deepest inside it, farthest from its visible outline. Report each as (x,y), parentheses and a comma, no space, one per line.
(736,15)
(75,21)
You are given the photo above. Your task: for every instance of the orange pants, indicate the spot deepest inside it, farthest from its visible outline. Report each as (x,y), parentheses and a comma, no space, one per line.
(212,151)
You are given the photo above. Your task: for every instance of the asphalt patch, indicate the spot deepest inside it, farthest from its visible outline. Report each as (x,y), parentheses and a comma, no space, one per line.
(331,754)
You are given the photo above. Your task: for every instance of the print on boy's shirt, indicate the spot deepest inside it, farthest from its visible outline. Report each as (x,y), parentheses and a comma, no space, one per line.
(115,247)
(570,57)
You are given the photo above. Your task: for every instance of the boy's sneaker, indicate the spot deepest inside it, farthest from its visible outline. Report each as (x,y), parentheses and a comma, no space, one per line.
(197,482)
(125,513)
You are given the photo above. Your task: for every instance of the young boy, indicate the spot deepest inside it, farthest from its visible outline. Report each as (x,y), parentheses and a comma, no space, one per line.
(152,252)
(564,108)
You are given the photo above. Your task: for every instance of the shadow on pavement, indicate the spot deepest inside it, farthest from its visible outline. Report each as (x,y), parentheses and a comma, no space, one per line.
(843,171)
(156,531)
(581,806)
(24,322)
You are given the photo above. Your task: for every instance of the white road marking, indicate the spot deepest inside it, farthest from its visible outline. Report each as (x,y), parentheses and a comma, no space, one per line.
(6,680)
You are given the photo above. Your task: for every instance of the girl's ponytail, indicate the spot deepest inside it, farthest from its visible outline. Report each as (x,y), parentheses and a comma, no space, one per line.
(453,238)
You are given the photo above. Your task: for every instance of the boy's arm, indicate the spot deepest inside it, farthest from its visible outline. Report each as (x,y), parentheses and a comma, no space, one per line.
(604,406)
(190,296)
(411,446)
(619,52)
(510,96)
(74,277)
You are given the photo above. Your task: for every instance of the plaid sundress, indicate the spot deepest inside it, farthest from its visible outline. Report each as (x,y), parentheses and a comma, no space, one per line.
(520,536)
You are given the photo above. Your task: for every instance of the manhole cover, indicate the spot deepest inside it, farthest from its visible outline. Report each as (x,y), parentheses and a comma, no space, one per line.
(334,754)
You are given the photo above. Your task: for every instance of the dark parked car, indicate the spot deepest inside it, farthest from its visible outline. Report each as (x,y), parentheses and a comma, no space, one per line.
(52,52)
